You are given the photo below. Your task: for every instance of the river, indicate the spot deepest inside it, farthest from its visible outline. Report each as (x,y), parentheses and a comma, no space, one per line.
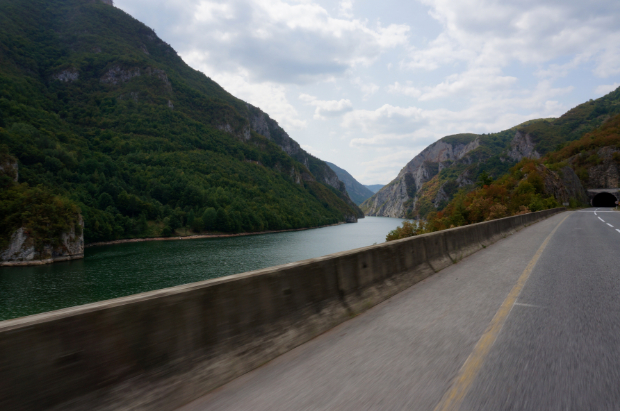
(123,269)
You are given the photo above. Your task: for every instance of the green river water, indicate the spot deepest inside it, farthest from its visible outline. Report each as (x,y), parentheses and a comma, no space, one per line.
(124,269)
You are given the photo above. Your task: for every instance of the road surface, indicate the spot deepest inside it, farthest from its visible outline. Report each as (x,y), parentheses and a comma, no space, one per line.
(532,322)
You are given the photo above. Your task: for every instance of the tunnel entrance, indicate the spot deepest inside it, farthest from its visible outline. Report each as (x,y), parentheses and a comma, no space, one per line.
(604,200)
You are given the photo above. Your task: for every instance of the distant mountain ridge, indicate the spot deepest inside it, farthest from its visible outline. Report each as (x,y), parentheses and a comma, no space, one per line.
(375,187)
(357,191)
(432,178)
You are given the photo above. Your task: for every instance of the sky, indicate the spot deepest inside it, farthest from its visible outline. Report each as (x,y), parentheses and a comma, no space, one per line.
(367,85)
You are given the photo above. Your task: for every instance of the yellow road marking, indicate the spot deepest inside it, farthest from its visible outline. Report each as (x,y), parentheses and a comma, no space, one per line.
(452,399)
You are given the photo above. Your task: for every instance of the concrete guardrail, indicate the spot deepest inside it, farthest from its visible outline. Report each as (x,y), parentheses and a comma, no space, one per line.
(162,349)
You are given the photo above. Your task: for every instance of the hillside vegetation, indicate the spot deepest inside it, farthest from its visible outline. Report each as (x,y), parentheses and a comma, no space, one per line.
(105,117)
(520,191)
(589,152)
(523,190)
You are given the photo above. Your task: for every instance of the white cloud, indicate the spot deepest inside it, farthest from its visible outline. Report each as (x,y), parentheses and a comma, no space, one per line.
(345,8)
(280,41)
(485,33)
(480,80)
(383,168)
(367,87)
(387,119)
(606,88)
(407,90)
(327,108)
(397,127)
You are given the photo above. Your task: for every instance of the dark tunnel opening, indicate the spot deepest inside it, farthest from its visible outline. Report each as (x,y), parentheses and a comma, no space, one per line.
(604,200)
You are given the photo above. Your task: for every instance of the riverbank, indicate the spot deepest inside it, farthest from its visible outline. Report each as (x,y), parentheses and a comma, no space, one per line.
(200,236)
(29,263)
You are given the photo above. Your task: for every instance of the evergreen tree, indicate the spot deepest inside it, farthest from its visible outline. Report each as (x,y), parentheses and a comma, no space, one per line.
(209,218)
(222,221)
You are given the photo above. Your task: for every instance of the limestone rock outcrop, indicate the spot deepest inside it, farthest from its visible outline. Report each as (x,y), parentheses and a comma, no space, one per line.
(67,75)
(521,147)
(22,250)
(564,184)
(9,167)
(606,174)
(398,197)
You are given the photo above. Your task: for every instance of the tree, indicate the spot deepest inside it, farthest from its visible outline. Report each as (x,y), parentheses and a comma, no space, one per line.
(484,179)
(197,225)
(222,221)
(105,201)
(208,218)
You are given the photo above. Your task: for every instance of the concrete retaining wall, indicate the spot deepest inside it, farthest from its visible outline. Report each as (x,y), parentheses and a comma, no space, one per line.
(162,349)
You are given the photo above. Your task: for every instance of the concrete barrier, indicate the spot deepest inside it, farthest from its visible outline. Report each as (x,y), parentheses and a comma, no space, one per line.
(162,349)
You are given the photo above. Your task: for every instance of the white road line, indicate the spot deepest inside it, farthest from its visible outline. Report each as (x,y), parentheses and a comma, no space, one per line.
(595,213)
(617,230)
(601,219)
(528,305)
(610,225)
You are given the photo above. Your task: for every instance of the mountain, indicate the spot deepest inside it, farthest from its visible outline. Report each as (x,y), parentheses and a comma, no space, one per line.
(375,187)
(433,177)
(559,178)
(102,114)
(357,191)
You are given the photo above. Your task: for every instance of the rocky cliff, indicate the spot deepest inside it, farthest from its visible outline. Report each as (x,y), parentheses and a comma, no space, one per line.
(521,147)
(421,186)
(398,197)
(563,184)
(9,167)
(602,167)
(24,250)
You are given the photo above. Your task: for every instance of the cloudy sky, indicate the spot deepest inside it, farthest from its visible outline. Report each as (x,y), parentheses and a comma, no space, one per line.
(367,85)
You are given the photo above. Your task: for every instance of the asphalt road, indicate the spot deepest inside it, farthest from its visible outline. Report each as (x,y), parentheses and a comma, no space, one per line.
(530,323)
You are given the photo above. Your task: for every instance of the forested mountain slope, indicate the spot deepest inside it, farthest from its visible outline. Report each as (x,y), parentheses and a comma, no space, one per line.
(103,115)
(357,191)
(432,178)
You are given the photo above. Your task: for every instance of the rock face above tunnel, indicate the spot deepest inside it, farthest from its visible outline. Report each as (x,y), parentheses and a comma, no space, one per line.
(606,174)
(564,185)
